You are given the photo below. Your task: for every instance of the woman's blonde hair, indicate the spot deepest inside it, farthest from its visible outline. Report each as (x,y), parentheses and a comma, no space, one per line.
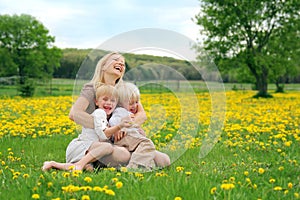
(98,77)
(105,89)
(127,92)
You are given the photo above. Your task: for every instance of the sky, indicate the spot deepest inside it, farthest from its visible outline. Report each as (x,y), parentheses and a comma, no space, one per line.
(88,23)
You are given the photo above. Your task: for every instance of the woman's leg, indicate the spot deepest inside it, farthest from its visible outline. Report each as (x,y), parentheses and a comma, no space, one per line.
(119,157)
(161,159)
(96,151)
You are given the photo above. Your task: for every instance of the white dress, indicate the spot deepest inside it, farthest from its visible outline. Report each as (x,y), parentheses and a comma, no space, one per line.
(78,147)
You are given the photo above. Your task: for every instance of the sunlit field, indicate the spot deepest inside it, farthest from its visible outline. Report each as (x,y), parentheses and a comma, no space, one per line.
(256,156)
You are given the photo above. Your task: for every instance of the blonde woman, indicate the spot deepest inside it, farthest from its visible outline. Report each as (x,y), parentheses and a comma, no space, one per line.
(109,70)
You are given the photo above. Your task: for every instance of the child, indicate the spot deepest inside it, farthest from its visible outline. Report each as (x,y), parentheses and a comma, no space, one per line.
(142,148)
(93,144)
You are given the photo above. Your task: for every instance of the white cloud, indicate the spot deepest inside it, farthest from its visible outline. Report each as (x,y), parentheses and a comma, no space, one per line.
(88,23)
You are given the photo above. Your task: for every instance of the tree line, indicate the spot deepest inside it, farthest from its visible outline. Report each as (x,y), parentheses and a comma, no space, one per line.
(250,41)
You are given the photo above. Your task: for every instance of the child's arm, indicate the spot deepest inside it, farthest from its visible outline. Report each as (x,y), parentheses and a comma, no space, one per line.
(125,123)
(101,125)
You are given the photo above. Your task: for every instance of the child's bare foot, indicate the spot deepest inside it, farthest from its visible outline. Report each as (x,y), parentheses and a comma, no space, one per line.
(47,165)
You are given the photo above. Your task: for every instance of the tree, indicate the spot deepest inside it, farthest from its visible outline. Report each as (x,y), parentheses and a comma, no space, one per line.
(252,32)
(28,49)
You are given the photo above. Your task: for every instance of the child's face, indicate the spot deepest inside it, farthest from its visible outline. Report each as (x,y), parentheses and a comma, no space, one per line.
(131,106)
(107,103)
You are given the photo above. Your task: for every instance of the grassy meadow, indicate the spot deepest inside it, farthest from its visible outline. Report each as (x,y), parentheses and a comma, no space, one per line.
(256,155)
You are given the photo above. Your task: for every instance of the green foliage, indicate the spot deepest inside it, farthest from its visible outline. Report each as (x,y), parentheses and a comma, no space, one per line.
(260,35)
(27,89)
(26,49)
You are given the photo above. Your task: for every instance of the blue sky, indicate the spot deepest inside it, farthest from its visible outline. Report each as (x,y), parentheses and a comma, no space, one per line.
(88,23)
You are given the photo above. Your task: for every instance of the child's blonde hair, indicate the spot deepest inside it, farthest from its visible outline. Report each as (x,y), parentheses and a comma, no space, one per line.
(127,92)
(105,89)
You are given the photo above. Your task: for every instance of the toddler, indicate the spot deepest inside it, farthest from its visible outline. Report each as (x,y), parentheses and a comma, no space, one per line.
(142,148)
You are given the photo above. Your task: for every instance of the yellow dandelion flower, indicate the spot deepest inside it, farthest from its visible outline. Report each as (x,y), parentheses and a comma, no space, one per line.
(254,186)
(85,197)
(72,167)
(272,180)
(179,169)
(279,150)
(296,195)
(227,186)
(53,174)
(97,189)
(49,184)
(87,179)
(49,194)
(25,175)
(16,173)
(277,188)
(188,173)
(213,190)
(290,185)
(35,196)
(288,143)
(286,192)
(110,192)
(246,173)
(66,174)
(281,168)
(114,180)
(177,198)
(232,179)
(261,170)
(124,169)
(119,184)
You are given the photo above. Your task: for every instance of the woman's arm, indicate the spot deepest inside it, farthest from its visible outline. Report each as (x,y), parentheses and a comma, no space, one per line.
(140,116)
(79,115)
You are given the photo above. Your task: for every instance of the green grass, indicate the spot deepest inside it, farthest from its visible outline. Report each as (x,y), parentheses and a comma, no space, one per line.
(219,165)
(65,87)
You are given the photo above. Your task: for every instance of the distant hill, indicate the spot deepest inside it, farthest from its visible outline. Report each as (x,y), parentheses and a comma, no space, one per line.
(82,62)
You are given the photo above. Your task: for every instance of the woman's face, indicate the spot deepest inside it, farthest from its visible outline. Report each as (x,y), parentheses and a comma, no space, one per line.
(115,65)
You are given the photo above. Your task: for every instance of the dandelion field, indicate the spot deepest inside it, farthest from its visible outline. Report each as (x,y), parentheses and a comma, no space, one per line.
(257,155)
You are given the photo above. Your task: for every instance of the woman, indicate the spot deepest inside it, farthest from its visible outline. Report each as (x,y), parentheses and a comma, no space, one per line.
(109,70)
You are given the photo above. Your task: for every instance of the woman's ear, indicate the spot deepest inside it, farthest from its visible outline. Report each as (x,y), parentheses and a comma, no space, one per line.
(96,102)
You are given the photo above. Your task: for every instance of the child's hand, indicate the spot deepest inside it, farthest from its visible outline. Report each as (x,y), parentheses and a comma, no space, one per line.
(126,122)
(119,135)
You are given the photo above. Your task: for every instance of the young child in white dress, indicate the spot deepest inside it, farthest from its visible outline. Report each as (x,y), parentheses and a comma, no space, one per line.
(93,144)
